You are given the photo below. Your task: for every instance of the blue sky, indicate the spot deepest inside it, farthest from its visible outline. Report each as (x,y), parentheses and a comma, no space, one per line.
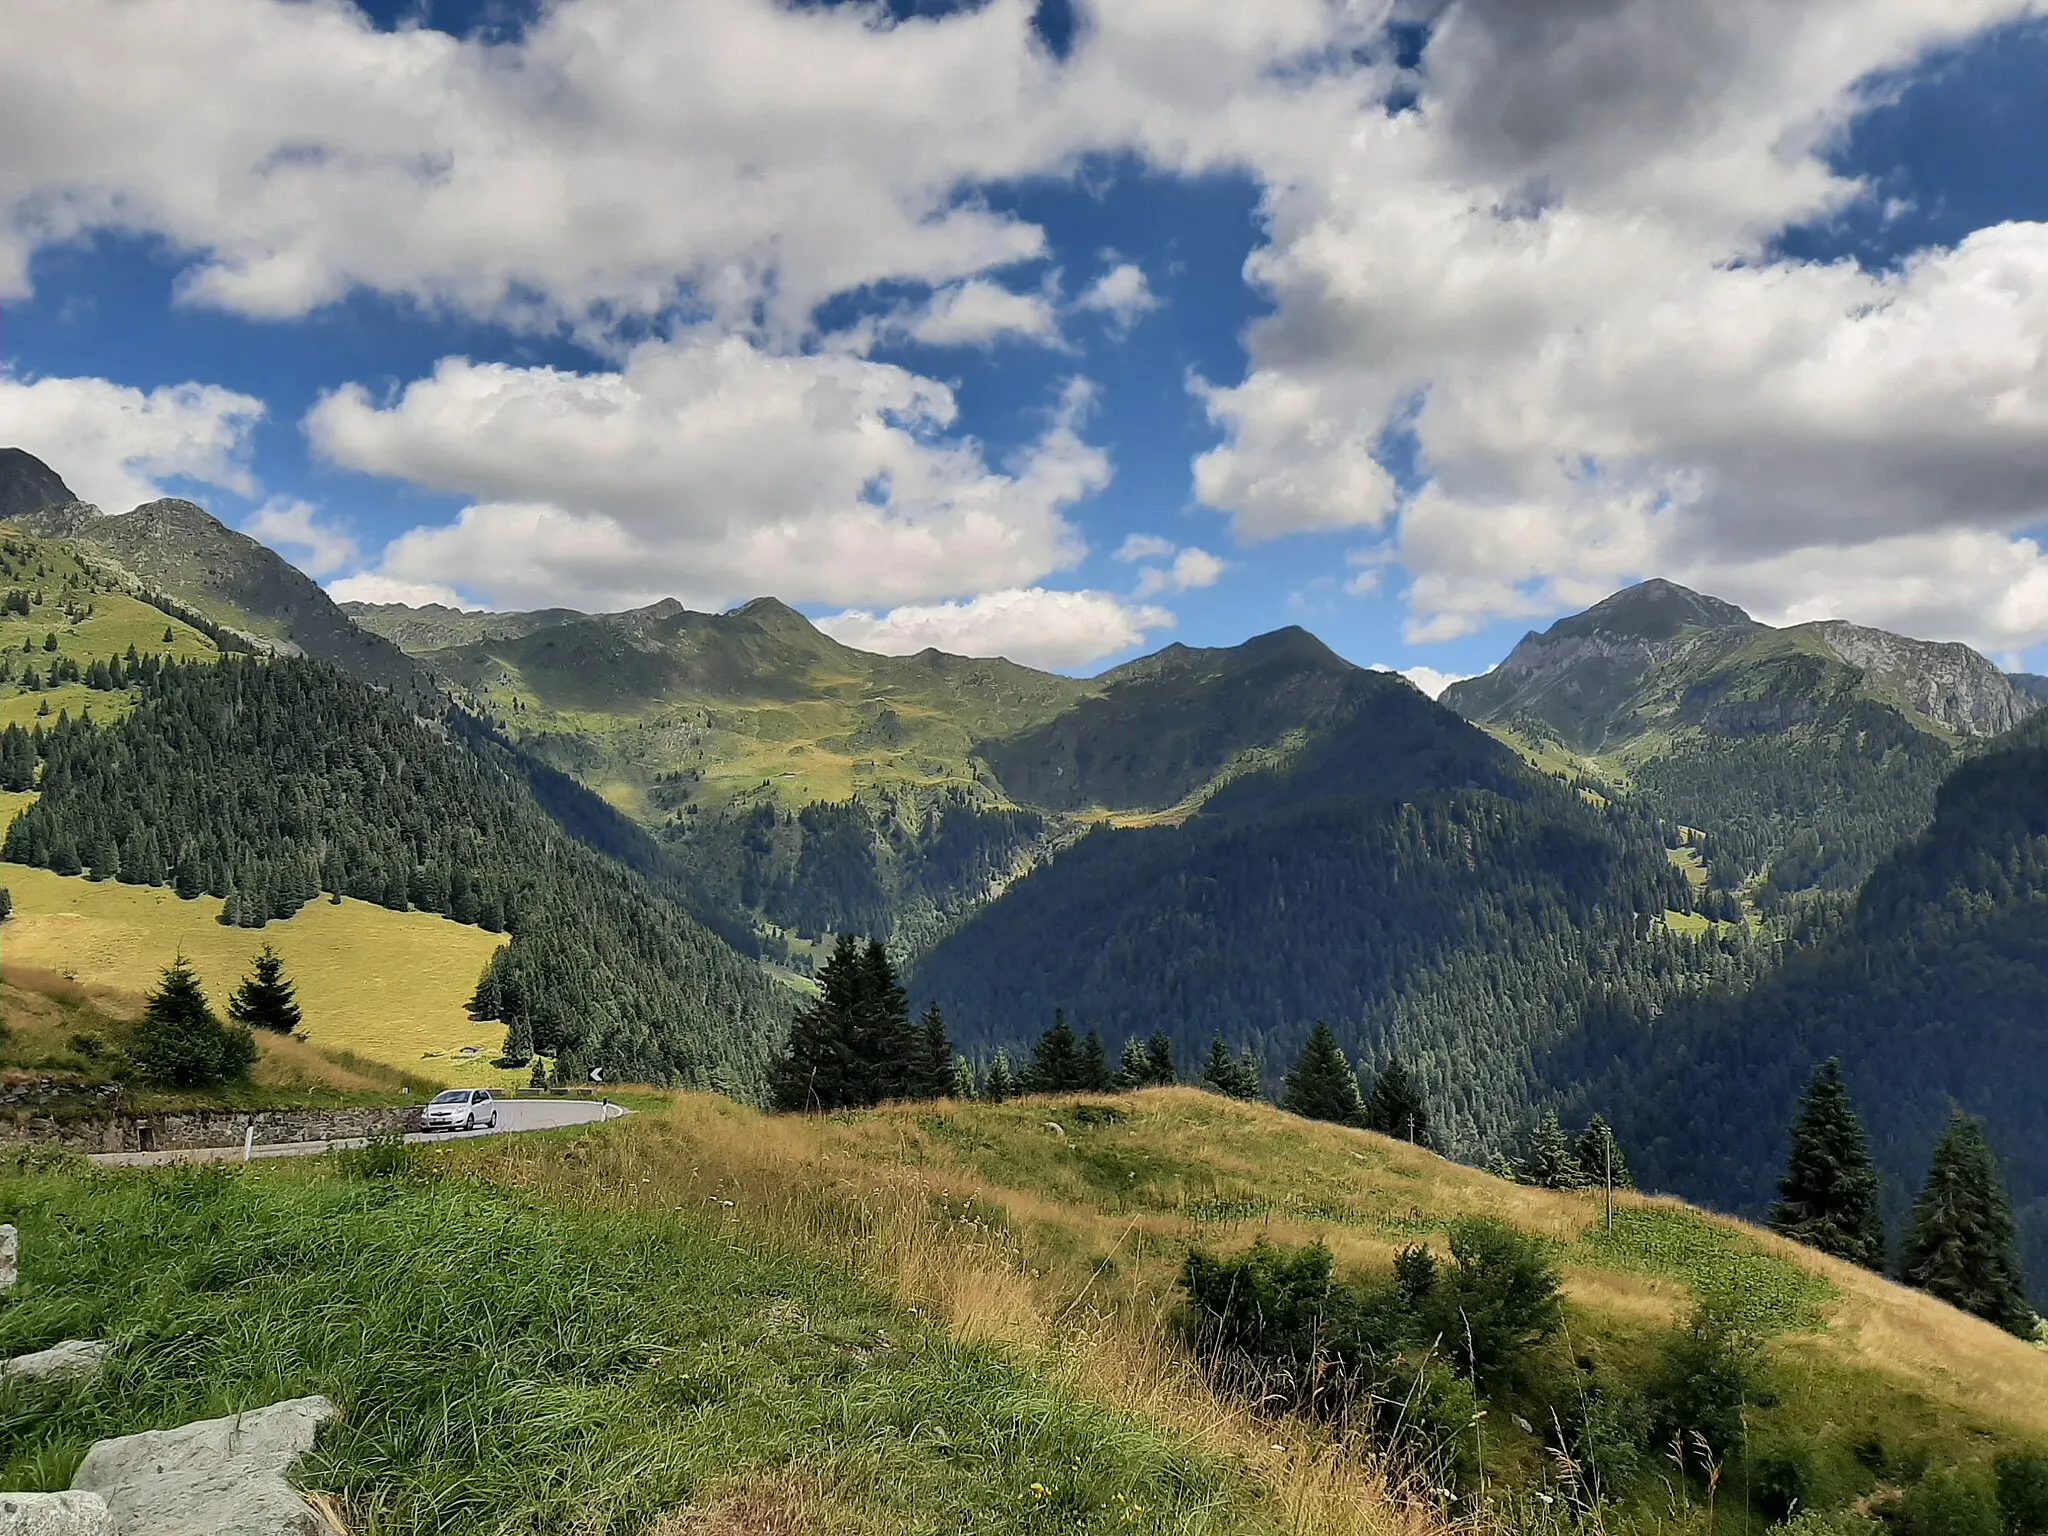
(1502,344)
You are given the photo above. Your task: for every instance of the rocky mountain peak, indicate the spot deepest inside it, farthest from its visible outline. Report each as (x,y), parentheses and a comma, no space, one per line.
(1653,610)
(27,484)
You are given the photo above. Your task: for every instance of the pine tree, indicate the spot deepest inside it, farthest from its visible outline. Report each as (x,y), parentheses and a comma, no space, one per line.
(819,1069)
(1395,1108)
(1550,1163)
(1159,1060)
(538,1077)
(937,1077)
(1962,1245)
(1132,1071)
(1093,1074)
(889,1055)
(1321,1084)
(1828,1196)
(1598,1155)
(1055,1060)
(265,1000)
(1219,1069)
(1000,1083)
(963,1080)
(181,1043)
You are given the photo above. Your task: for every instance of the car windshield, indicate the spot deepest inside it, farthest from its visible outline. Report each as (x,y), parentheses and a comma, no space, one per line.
(453,1096)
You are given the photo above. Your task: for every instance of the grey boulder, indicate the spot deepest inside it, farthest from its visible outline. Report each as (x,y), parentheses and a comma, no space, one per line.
(55,1514)
(69,1361)
(219,1477)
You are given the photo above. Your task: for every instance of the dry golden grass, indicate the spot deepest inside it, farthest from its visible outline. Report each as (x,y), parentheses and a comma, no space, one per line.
(1016,1233)
(387,986)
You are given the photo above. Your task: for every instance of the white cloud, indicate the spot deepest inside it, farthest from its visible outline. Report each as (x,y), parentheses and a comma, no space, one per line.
(294,527)
(1034,626)
(1191,568)
(114,445)
(712,470)
(979,312)
(1428,679)
(1121,293)
(369,587)
(1144,546)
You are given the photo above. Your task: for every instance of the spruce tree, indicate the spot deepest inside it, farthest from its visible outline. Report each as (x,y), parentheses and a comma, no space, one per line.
(1395,1108)
(1962,1245)
(1550,1162)
(1219,1069)
(1092,1074)
(1000,1082)
(1055,1060)
(1828,1196)
(1598,1155)
(1133,1071)
(820,1069)
(1159,1060)
(1321,1084)
(963,1080)
(181,1043)
(890,1049)
(937,1078)
(265,1000)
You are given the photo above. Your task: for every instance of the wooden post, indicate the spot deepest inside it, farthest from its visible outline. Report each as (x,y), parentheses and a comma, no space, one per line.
(1607,1157)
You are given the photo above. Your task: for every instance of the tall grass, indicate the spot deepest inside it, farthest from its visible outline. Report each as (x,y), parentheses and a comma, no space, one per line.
(509,1366)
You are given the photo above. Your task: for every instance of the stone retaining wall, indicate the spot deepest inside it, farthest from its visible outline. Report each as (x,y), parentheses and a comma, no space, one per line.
(212,1128)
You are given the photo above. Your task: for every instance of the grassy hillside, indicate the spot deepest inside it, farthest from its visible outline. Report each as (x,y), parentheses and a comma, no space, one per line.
(1058,1228)
(386,986)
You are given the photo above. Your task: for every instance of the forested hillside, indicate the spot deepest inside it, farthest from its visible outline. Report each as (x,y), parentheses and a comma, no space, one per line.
(263,784)
(1402,877)
(1935,991)
(1805,754)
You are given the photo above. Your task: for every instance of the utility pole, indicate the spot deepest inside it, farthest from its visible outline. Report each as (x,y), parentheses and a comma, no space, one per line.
(1607,1157)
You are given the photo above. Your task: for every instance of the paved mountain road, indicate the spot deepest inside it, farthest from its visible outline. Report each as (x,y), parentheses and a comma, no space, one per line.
(514,1115)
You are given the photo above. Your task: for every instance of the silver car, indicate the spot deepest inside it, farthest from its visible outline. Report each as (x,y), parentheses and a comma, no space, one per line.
(462,1109)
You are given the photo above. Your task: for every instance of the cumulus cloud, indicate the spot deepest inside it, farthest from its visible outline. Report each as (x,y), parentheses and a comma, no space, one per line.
(1554,278)
(295,527)
(1191,568)
(1428,679)
(1122,294)
(978,312)
(115,445)
(710,470)
(1144,546)
(1032,625)
(370,587)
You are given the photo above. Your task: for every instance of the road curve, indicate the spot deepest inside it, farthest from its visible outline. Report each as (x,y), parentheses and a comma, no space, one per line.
(514,1116)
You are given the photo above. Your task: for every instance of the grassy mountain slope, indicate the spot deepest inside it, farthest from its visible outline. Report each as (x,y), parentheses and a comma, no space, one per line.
(1059,1225)
(1805,754)
(266,783)
(1401,876)
(1935,991)
(435,626)
(178,549)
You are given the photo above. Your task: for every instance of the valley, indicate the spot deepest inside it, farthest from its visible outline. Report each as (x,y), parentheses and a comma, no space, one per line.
(1654,868)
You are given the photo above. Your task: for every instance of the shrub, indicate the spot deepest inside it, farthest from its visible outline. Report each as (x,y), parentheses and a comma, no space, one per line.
(1608,1436)
(1704,1382)
(1780,1485)
(2023,1493)
(382,1159)
(1497,1300)
(1945,1505)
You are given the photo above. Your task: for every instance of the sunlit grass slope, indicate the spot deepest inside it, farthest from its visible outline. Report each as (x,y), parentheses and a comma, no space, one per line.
(1059,1227)
(387,986)
(511,1365)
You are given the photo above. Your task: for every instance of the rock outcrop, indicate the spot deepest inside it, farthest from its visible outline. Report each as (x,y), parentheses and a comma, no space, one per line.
(218,1477)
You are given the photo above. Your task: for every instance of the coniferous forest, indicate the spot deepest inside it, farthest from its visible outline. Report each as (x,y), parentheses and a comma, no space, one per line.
(261,785)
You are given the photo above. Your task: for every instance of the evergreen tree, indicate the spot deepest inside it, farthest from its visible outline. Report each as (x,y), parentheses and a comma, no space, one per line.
(1550,1163)
(265,1000)
(1235,1077)
(1598,1155)
(889,1049)
(963,1079)
(1321,1084)
(1395,1108)
(538,1077)
(1133,1071)
(1055,1060)
(1093,1074)
(938,1078)
(1000,1083)
(1159,1060)
(1963,1246)
(181,1043)
(820,1068)
(1828,1196)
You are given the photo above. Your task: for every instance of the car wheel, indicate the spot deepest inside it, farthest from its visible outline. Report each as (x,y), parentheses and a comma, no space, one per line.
(494,1122)
(469,1124)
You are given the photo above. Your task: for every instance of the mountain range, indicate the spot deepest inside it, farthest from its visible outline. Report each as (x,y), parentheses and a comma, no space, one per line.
(1656,862)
